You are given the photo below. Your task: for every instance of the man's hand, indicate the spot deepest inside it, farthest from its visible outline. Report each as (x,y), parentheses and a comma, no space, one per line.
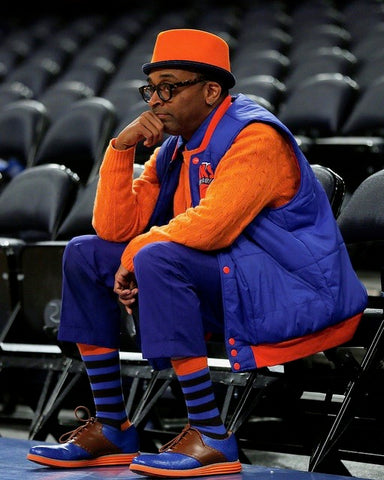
(147,127)
(125,287)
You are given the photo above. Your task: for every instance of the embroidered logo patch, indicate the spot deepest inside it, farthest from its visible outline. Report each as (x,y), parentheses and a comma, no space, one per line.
(206,177)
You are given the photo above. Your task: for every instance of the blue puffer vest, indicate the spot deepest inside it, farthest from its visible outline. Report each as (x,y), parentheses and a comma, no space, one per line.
(288,274)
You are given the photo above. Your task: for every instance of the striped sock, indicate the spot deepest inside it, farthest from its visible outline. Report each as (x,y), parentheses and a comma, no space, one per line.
(103,369)
(195,381)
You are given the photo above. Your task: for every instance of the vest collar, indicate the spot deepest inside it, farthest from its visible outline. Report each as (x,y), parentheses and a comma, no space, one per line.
(202,136)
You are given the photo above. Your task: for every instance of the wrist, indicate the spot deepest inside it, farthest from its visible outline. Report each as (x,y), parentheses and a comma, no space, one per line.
(117,146)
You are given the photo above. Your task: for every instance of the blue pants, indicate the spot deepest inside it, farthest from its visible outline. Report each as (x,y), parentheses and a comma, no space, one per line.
(180,297)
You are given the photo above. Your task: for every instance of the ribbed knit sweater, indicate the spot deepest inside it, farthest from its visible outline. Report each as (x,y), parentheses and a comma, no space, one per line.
(259,170)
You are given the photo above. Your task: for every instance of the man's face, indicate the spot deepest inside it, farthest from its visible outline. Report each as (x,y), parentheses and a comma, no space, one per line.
(187,108)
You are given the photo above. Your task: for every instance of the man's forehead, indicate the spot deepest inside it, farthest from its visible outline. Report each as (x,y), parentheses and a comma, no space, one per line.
(168,74)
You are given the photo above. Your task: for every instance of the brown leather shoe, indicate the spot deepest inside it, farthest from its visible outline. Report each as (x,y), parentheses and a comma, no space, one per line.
(92,444)
(190,454)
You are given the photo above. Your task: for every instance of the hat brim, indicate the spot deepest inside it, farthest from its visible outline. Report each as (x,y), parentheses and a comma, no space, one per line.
(224,76)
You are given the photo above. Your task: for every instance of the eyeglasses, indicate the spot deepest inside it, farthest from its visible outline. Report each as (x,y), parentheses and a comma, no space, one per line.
(165,90)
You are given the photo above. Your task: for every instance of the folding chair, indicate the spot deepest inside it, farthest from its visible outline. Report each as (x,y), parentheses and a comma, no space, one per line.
(40,305)
(32,207)
(238,394)
(362,226)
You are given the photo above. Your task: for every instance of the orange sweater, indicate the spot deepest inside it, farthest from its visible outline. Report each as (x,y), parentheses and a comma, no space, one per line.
(259,170)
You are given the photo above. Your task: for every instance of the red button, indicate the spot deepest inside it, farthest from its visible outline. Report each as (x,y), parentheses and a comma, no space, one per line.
(231,341)
(236,366)
(234,352)
(226,269)
(195,160)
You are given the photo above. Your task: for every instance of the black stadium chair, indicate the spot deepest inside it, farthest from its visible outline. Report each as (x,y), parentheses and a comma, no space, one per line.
(362,226)
(366,118)
(356,151)
(323,60)
(58,99)
(12,91)
(23,124)
(32,207)
(78,138)
(36,75)
(319,106)
(95,73)
(266,62)
(333,185)
(33,329)
(262,86)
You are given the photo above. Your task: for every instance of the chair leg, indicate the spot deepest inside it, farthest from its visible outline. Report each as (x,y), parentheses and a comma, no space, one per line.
(149,399)
(57,396)
(256,382)
(325,454)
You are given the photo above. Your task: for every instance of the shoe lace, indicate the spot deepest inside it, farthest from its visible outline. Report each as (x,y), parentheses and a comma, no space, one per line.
(68,436)
(175,440)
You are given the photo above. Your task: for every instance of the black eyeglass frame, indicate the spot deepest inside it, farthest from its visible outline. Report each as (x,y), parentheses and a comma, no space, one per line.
(147,91)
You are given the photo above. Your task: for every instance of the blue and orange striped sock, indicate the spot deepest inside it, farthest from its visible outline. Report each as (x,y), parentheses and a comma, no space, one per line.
(103,369)
(196,384)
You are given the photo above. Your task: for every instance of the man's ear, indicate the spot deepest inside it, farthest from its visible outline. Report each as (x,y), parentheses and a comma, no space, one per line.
(212,92)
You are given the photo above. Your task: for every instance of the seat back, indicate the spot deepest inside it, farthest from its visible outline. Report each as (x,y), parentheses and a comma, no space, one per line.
(23,124)
(32,207)
(34,203)
(366,118)
(41,266)
(59,98)
(79,137)
(361,223)
(333,185)
(319,106)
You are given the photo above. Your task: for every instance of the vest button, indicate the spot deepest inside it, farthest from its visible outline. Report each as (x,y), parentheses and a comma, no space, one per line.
(231,341)
(226,269)
(236,366)
(234,352)
(195,161)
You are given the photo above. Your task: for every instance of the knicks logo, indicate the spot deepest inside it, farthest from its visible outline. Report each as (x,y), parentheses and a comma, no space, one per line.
(206,177)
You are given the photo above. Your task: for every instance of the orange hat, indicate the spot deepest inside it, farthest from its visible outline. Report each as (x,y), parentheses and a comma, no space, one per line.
(192,50)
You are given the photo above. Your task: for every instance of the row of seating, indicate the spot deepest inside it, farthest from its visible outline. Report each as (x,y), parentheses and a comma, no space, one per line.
(34,233)
(59,135)
(309,62)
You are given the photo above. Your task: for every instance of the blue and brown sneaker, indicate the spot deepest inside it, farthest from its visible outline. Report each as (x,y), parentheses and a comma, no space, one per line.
(190,454)
(90,445)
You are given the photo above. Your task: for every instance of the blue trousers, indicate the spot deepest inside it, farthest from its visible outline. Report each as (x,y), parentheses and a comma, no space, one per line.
(179,299)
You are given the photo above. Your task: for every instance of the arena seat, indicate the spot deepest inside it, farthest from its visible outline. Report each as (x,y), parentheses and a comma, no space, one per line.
(59,98)
(78,138)
(12,91)
(23,124)
(247,63)
(356,151)
(319,106)
(93,72)
(124,95)
(362,226)
(323,60)
(263,86)
(30,331)
(32,206)
(36,75)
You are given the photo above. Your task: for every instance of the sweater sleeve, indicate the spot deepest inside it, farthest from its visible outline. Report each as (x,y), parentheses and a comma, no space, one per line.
(259,170)
(123,205)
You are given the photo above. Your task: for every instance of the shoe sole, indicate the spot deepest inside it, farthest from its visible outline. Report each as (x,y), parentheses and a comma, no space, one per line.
(214,469)
(105,460)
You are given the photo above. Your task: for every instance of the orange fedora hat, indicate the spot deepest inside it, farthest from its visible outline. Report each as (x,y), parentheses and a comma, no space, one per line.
(192,50)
